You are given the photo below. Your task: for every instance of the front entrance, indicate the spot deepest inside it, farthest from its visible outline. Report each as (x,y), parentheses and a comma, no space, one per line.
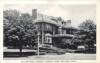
(48,40)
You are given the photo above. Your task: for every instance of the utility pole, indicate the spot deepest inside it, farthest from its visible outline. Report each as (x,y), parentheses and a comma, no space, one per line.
(42,34)
(42,31)
(38,44)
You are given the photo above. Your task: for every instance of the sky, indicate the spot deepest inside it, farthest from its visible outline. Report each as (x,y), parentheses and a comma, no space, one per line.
(77,13)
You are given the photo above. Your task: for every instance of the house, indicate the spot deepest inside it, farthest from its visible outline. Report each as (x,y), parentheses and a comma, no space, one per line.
(52,29)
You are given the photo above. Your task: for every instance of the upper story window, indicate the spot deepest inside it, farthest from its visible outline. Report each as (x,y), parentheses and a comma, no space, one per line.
(63,23)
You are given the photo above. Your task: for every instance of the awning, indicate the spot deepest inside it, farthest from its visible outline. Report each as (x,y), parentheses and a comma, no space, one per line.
(63,35)
(48,34)
(69,27)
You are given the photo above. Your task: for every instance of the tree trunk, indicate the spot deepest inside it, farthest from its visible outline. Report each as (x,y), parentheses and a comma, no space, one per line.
(20,49)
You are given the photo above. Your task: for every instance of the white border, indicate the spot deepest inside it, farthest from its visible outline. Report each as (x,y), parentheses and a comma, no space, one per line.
(97,2)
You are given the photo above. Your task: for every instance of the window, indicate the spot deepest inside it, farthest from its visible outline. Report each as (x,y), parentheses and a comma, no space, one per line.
(48,40)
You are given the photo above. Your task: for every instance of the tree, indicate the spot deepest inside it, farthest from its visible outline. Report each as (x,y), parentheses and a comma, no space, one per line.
(89,29)
(18,29)
(27,23)
(10,17)
(11,14)
(87,34)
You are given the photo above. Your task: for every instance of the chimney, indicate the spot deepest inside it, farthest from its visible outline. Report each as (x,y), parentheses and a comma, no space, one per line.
(34,14)
(68,22)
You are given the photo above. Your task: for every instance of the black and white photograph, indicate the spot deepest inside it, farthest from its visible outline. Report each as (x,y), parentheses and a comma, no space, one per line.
(49,32)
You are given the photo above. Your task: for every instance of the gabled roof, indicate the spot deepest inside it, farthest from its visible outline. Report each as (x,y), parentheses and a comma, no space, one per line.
(51,20)
(46,19)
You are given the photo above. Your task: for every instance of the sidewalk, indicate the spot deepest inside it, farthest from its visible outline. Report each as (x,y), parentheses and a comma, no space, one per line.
(50,56)
(67,56)
(17,50)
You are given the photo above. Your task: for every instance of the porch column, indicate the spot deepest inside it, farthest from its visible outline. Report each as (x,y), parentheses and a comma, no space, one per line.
(53,30)
(60,30)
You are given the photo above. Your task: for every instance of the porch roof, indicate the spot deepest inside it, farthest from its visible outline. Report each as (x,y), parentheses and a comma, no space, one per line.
(63,35)
(45,21)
